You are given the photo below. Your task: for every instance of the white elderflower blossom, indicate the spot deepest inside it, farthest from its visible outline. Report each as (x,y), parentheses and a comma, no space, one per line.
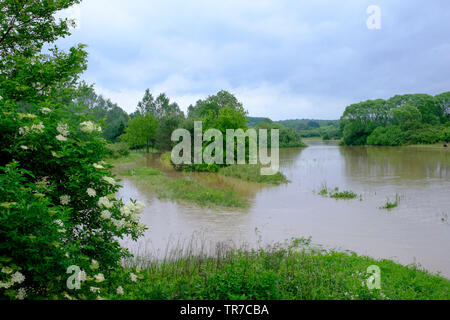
(95,290)
(87,126)
(110,180)
(133,277)
(106,215)
(119,224)
(6,285)
(91,192)
(82,276)
(120,290)
(54,154)
(24,130)
(61,138)
(98,166)
(38,128)
(24,147)
(104,201)
(63,129)
(65,200)
(99,277)
(21,294)
(27,116)
(7,270)
(46,110)
(17,277)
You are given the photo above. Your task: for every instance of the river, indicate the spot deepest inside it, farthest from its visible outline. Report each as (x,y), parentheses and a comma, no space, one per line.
(417,231)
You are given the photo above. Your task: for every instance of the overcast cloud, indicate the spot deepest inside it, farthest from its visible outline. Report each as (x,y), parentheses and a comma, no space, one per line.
(282,59)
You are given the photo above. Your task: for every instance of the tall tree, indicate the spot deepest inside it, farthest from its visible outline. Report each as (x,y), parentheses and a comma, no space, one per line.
(141,131)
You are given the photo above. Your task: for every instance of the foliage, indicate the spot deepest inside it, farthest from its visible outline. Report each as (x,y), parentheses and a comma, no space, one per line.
(401,120)
(116,150)
(58,207)
(141,131)
(291,271)
(289,138)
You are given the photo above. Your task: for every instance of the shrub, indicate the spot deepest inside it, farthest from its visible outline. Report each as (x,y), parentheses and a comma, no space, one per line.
(57,203)
(116,150)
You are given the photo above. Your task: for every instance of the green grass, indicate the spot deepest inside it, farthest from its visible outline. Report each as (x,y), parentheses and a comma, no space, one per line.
(252,173)
(141,172)
(184,188)
(336,194)
(289,272)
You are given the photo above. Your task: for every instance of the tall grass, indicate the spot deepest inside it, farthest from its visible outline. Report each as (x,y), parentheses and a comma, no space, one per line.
(290,271)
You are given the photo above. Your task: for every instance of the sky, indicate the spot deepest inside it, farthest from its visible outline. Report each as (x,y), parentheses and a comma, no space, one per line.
(282,59)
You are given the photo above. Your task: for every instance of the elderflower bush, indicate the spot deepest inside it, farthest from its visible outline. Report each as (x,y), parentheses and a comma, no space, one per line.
(57,203)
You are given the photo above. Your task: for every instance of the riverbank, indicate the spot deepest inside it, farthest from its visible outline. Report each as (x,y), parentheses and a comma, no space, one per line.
(229,188)
(292,271)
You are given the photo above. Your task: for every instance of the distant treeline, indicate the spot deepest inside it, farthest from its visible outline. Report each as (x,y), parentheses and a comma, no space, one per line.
(400,120)
(305,128)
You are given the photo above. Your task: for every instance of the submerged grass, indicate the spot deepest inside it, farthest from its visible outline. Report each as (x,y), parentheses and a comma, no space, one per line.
(185,188)
(391,205)
(336,194)
(252,173)
(293,271)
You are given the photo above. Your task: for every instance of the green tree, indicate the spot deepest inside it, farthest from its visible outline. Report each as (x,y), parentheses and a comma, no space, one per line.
(141,131)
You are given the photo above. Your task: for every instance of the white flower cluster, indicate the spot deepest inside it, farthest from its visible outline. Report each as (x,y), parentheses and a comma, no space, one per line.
(133,211)
(89,127)
(65,200)
(110,180)
(35,128)
(63,130)
(16,277)
(98,166)
(91,192)
(105,202)
(46,110)
(60,224)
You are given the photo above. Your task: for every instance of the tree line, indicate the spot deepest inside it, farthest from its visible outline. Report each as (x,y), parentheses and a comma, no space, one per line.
(400,120)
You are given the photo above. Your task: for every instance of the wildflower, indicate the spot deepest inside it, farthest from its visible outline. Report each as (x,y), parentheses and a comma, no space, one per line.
(119,224)
(91,192)
(24,147)
(104,201)
(6,285)
(54,154)
(95,290)
(133,277)
(87,126)
(98,166)
(99,277)
(7,270)
(21,294)
(46,110)
(106,215)
(94,264)
(110,180)
(65,200)
(82,276)
(63,129)
(26,116)
(120,290)
(24,130)
(38,128)
(61,138)
(17,277)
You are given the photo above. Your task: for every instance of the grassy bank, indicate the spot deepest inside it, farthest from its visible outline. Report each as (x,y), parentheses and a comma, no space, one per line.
(293,272)
(229,188)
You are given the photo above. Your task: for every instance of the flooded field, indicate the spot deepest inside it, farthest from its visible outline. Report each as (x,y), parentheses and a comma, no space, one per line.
(417,231)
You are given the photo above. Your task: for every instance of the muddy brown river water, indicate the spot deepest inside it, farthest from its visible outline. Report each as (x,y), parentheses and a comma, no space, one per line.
(417,231)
